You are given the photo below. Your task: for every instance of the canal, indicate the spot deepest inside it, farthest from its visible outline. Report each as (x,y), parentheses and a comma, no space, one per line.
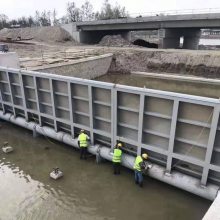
(87,190)
(191,88)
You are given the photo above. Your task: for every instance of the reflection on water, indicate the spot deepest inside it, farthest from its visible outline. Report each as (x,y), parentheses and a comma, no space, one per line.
(192,88)
(87,190)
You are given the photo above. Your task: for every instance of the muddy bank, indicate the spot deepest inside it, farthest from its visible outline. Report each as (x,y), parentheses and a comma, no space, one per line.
(198,63)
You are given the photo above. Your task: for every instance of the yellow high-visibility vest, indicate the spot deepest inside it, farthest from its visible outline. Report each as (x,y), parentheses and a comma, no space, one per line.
(117,155)
(83,140)
(137,162)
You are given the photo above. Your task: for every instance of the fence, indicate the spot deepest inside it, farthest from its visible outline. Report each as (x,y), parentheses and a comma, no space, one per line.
(178,131)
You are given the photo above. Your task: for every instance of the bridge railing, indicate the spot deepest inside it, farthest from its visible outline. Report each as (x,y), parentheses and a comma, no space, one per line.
(177,12)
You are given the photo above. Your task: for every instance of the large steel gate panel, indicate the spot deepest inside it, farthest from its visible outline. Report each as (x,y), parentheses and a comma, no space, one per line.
(177,131)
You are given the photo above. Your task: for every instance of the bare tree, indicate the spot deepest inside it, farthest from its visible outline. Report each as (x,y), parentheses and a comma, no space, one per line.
(87,11)
(111,12)
(3,21)
(55,20)
(64,20)
(37,18)
(73,13)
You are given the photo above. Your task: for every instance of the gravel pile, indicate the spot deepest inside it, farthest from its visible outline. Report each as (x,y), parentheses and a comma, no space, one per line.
(114,41)
(46,34)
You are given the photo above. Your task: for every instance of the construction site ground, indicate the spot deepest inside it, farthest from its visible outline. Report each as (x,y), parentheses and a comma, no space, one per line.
(186,62)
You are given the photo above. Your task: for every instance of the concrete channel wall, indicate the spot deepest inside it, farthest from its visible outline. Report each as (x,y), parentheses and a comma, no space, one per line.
(86,68)
(9,59)
(179,132)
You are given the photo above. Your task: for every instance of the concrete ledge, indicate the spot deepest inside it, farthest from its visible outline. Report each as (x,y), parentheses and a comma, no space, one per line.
(214,211)
(86,68)
(179,78)
(9,60)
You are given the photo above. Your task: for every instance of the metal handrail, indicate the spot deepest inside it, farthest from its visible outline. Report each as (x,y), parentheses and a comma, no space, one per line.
(177,12)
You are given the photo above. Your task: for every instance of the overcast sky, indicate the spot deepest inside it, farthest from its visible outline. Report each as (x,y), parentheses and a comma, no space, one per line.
(18,8)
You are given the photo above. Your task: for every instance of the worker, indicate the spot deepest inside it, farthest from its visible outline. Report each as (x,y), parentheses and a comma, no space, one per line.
(83,142)
(139,167)
(116,159)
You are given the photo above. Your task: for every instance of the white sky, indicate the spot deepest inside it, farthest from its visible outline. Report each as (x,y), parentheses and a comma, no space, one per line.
(18,8)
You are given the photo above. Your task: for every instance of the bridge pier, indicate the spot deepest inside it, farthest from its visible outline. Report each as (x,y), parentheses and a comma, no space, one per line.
(191,39)
(170,38)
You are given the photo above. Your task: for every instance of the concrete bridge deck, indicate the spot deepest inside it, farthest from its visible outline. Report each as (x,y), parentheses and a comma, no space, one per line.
(154,22)
(171,28)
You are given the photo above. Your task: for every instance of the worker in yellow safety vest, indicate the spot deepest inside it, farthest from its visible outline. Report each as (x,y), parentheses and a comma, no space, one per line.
(83,142)
(116,159)
(139,166)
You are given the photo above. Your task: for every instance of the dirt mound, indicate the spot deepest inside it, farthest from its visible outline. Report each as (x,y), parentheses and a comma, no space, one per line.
(143,43)
(181,62)
(46,34)
(114,41)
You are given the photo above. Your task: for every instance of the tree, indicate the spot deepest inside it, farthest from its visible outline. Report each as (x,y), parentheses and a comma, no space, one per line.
(37,18)
(31,21)
(64,20)
(111,12)
(87,13)
(73,12)
(3,21)
(55,20)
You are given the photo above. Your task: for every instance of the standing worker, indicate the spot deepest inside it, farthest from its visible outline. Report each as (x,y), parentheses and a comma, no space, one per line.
(116,159)
(139,167)
(83,142)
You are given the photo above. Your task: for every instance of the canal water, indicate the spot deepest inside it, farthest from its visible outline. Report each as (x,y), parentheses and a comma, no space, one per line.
(192,88)
(87,191)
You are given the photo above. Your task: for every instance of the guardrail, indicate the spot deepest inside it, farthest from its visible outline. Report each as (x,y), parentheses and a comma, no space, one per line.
(177,12)
(178,131)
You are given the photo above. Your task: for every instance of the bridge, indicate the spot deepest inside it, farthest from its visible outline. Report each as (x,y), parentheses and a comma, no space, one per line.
(171,28)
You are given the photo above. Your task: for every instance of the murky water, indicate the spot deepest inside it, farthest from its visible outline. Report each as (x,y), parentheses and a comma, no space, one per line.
(192,88)
(87,190)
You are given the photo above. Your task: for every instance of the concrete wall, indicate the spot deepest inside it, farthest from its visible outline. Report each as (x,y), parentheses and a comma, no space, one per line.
(9,60)
(86,68)
(72,30)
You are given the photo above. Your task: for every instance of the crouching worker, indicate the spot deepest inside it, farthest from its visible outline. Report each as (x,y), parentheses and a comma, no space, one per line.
(116,159)
(83,143)
(139,167)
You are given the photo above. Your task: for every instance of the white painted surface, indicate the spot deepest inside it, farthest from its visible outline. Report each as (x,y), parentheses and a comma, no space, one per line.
(9,60)
(214,211)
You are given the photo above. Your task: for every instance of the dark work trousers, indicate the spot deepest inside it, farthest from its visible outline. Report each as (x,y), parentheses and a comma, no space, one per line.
(138,178)
(117,168)
(83,153)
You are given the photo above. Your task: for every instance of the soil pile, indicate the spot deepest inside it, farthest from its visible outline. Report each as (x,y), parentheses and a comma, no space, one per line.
(46,34)
(114,41)
(181,62)
(143,43)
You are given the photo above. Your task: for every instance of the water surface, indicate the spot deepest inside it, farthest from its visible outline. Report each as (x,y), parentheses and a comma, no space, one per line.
(87,191)
(191,88)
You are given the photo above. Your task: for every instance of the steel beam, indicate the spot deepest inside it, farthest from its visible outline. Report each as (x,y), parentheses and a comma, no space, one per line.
(90,96)
(210,145)
(140,123)
(172,135)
